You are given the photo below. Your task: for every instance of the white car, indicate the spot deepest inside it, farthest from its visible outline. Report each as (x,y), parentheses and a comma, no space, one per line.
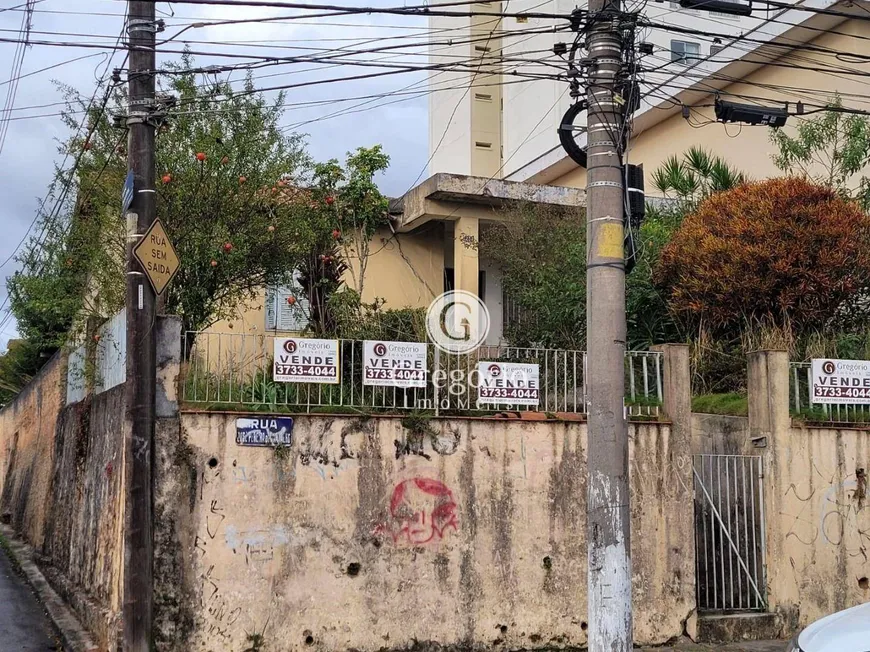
(844,631)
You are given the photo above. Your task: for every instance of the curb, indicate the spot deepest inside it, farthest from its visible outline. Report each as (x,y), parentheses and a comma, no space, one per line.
(72,634)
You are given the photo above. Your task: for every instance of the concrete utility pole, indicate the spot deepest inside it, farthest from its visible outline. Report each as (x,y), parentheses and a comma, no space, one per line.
(141,337)
(607,512)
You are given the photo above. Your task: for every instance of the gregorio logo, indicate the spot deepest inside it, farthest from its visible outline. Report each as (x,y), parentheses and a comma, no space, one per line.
(457,322)
(380,349)
(494,371)
(290,346)
(829,367)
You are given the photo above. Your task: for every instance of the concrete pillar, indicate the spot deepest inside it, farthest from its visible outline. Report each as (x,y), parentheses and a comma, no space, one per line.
(770,431)
(466,265)
(168,365)
(767,382)
(678,522)
(677,388)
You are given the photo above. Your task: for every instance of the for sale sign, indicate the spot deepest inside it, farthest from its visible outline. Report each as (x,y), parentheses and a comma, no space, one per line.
(841,381)
(302,360)
(508,383)
(394,364)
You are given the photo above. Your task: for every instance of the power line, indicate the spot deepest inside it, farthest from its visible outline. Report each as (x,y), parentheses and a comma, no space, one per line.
(15,76)
(47,68)
(419,10)
(815,10)
(22,7)
(68,182)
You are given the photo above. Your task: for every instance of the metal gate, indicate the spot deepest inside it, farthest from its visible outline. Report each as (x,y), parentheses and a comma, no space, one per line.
(729,532)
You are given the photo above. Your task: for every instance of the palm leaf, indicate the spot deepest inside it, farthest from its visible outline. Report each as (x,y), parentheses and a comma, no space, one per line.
(669,176)
(699,160)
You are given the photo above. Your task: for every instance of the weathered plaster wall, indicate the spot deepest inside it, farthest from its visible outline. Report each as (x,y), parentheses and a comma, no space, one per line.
(82,554)
(821,522)
(817,516)
(363,536)
(27,427)
(60,488)
(719,434)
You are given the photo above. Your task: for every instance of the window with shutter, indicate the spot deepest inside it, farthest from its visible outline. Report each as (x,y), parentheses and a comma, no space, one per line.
(283,315)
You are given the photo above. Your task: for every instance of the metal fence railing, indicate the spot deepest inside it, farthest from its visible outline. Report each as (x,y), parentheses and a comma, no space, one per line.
(237,369)
(800,403)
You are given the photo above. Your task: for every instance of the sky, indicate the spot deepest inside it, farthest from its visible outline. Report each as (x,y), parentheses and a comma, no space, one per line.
(30,150)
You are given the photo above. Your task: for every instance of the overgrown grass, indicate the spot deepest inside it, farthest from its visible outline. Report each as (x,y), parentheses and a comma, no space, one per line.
(730,403)
(843,416)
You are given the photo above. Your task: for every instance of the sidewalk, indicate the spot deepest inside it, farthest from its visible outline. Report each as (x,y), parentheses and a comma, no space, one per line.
(749,646)
(72,637)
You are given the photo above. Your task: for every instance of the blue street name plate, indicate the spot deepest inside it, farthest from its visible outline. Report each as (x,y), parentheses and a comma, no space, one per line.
(127,192)
(266,431)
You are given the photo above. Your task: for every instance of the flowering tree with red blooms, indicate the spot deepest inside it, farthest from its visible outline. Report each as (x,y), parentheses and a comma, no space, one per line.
(240,199)
(785,253)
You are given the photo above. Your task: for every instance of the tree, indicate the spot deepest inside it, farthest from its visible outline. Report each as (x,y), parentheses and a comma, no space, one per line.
(18,364)
(830,148)
(648,317)
(352,209)
(230,193)
(785,252)
(696,176)
(542,256)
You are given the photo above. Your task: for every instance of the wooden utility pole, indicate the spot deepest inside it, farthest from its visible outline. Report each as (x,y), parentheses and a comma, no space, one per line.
(608,514)
(141,337)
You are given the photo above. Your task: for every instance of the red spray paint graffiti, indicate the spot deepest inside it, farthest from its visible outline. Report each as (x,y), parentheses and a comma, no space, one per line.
(421,511)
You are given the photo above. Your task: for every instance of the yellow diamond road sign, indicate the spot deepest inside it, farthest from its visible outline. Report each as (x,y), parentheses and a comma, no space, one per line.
(157,256)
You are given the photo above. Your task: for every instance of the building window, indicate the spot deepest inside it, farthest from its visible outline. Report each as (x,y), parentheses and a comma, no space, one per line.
(716,48)
(684,52)
(282,312)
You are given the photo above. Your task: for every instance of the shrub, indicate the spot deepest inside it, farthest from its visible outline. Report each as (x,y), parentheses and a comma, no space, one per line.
(784,253)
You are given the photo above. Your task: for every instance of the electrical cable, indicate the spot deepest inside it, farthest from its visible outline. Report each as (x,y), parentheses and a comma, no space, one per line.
(15,76)
(71,174)
(419,10)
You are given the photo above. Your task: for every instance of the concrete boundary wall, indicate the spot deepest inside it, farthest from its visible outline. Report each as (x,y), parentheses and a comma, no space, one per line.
(364,534)
(62,484)
(60,490)
(818,516)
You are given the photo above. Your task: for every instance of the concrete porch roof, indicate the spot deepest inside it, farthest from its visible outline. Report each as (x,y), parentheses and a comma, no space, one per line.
(448,197)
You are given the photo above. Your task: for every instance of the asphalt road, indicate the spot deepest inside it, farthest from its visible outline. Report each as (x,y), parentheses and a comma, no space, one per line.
(24,627)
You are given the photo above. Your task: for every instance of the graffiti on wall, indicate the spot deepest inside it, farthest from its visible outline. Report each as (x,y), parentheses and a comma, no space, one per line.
(421,511)
(842,514)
